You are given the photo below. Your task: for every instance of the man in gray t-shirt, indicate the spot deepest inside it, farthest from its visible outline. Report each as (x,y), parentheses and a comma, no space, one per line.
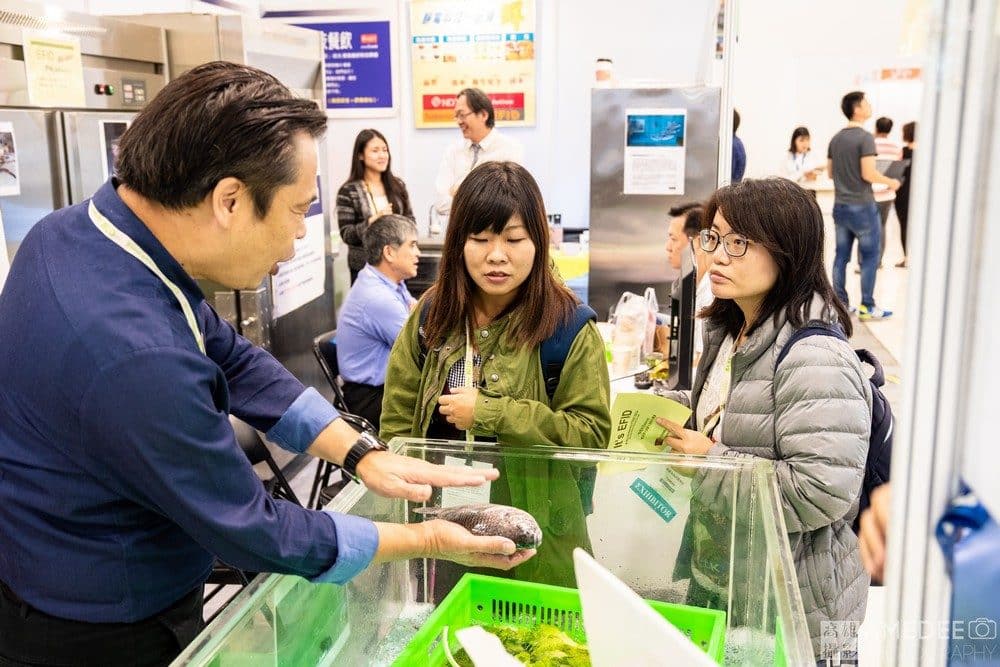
(851,164)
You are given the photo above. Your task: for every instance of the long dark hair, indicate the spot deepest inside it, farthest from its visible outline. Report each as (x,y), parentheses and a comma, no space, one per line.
(785,219)
(489,196)
(395,189)
(796,133)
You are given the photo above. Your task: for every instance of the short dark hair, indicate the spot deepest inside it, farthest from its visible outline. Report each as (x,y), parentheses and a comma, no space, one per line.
(850,101)
(217,120)
(387,230)
(479,101)
(488,198)
(692,212)
(910,131)
(736,120)
(883,125)
(796,133)
(785,219)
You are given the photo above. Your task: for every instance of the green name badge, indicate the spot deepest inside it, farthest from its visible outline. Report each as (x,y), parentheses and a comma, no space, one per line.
(655,501)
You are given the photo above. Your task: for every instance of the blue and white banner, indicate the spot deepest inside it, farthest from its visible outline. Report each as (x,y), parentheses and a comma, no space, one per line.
(357,64)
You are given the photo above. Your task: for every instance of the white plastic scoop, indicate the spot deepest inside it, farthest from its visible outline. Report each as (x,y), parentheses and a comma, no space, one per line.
(485,649)
(622,629)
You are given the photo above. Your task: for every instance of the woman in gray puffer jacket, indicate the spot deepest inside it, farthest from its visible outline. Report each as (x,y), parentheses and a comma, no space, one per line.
(811,416)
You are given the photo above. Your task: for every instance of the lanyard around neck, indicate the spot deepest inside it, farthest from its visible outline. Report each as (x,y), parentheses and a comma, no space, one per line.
(125,242)
(470,380)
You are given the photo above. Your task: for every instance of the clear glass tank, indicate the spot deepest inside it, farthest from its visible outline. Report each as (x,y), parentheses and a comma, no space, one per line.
(704,532)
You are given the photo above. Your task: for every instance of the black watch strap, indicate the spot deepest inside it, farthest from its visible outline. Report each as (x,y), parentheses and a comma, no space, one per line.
(366,444)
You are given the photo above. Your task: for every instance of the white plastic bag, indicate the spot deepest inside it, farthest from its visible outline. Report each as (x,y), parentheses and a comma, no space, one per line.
(634,330)
(652,307)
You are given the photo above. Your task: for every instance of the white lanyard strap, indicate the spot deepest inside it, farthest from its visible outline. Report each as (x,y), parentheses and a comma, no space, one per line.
(470,370)
(125,242)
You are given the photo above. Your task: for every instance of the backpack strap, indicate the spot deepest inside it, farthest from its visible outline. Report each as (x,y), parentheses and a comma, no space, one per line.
(878,377)
(814,328)
(555,348)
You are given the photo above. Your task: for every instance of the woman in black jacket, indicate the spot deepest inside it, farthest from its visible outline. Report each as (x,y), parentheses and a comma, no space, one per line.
(371,191)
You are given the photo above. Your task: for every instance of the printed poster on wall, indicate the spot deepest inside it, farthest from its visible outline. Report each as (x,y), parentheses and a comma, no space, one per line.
(654,151)
(473,44)
(357,65)
(302,278)
(54,69)
(10,177)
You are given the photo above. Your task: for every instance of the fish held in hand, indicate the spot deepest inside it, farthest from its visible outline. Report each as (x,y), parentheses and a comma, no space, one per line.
(490,520)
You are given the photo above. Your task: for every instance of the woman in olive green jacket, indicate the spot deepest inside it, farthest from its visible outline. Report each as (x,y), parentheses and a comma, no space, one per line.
(497,292)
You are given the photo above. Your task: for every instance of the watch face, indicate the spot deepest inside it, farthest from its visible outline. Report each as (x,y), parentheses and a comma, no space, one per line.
(374,442)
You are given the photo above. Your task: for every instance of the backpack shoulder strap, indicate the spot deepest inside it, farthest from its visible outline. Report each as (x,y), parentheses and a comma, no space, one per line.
(878,377)
(812,328)
(555,348)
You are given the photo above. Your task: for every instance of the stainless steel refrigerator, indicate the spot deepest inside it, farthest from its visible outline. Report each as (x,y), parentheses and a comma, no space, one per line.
(56,156)
(660,141)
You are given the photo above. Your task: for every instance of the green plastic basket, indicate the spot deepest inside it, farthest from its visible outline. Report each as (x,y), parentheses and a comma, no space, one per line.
(483,600)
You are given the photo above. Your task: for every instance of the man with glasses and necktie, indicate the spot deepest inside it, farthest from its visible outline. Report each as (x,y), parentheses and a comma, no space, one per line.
(481,142)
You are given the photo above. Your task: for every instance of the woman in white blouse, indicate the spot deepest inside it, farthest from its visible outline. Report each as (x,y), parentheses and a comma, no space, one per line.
(799,164)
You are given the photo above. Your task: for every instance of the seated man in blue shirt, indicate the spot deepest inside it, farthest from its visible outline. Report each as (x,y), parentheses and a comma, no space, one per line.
(374,312)
(120,477)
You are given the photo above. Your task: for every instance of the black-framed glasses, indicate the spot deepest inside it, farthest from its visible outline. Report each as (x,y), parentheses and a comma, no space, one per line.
(734,244)
(461,116)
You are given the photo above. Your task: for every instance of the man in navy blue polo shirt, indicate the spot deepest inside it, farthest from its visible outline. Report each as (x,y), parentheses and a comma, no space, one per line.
(120,477)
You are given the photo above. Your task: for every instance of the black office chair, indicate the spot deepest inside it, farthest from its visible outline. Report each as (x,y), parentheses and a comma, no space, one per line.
(278,487)
(325,350)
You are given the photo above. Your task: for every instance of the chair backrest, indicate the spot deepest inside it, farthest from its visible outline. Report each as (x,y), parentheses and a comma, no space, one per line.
(256,452)
(325,349)
(249,441)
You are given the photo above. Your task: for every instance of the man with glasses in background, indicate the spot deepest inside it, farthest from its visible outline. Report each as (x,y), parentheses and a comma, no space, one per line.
(481,142)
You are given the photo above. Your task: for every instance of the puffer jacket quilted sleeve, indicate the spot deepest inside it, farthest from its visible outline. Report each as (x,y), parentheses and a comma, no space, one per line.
(822,420)
(822,417)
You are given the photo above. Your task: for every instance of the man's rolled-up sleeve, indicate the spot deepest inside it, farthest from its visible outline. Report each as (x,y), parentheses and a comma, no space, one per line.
(262,392)
(304,419)
(154,429)
(357,541)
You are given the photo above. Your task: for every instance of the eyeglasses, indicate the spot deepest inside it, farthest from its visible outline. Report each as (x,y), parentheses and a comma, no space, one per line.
(461,116)
(734,244)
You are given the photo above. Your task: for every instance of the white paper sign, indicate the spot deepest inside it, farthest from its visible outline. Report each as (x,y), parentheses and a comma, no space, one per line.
(54,70)
(466,495)
(302,278)
(10,177)
(654,151)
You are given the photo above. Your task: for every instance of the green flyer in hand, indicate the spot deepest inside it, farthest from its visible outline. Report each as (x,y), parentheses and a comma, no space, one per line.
(634,427)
